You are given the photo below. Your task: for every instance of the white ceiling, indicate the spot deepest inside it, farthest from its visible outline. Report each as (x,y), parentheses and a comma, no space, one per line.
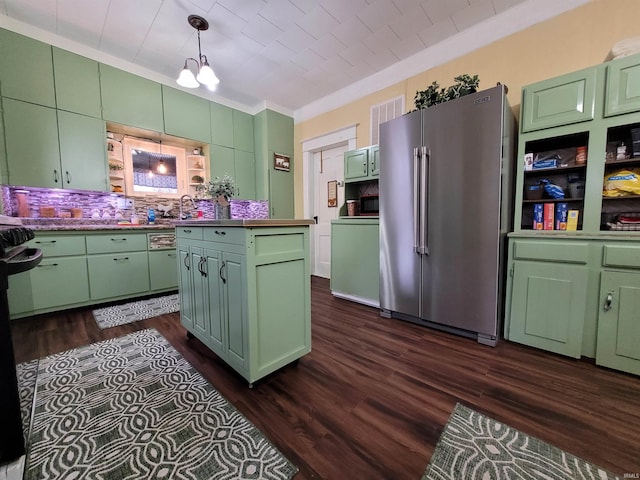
(286,53)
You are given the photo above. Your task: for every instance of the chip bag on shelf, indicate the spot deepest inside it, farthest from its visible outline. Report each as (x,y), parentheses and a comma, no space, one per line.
(622,183)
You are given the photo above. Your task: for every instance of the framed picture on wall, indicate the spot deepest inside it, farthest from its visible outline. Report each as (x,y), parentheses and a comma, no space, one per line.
(281,162)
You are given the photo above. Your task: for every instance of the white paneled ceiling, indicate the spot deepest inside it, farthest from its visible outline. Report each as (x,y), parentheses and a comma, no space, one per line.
(288,53)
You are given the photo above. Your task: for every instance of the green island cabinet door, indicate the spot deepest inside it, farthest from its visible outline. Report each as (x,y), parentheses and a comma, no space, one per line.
(19,57)
(235,322)
(356,164)
(618,344)
(82,152)
(77,82)
(200,284)
(559,101)
(623,86)
(242,131)
(4,173)
(548,306)
(185,284)
(186,115)
(130,100)
(33,151)
(221,125)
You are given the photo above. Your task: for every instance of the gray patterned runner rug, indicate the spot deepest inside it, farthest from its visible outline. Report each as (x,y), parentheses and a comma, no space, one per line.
(133,408)
(473,446)
(139,310)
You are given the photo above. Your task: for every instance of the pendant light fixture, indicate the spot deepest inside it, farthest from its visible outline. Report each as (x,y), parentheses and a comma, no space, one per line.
(205,75)
(162,168)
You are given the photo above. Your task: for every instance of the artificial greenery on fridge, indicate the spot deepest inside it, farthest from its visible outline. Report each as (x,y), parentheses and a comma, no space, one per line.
(433,95)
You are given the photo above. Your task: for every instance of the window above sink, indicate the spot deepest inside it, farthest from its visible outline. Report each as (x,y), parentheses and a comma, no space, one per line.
(143,162)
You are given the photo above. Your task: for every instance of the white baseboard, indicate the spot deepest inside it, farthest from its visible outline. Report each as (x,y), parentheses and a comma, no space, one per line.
(356,298)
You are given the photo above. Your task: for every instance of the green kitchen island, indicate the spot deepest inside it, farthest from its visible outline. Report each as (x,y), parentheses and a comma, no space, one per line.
(245,290)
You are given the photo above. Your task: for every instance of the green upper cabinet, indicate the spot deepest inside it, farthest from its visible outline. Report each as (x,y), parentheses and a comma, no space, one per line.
(362,164)
(19,56)
(623,86)
(222,125)
(53,148)
(186,115)
(33,152)
(131,100)
(274,134)
(82,152)
(222,161)
(245,172)
(374,161)
(4,174)
(242,131)
(77,83)
(559,101)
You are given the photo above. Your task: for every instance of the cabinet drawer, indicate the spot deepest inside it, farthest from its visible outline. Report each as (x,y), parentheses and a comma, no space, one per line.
(621,256)
(118,274)
(225,235)
(559,101)
(59,245)
(193,233)
(564,252)
(116,243)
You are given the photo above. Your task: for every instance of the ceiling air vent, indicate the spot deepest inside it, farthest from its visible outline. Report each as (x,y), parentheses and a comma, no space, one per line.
(384,112)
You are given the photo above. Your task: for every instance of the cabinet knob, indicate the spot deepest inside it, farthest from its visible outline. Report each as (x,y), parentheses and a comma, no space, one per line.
(607,302)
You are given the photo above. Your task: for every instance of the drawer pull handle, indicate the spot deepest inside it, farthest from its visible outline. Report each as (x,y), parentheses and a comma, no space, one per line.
(186,230)
(48,265)
(607,302)
(171,255)
(118,239)
(43,242)
(218,232)
(121,259)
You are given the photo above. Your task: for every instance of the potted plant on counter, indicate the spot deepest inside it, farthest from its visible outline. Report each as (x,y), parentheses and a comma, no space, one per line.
(220,190)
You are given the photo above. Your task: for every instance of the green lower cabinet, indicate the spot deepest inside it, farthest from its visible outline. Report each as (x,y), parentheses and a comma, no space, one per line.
(51,291)
(355,263)
(118,274)
(548,306)
(618,343)
(163,273)
(235,284)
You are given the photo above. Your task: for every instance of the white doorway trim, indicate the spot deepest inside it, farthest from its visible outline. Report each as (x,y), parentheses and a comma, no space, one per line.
(344,136)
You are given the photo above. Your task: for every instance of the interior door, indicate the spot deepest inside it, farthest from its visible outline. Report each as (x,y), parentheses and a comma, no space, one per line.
(328,166)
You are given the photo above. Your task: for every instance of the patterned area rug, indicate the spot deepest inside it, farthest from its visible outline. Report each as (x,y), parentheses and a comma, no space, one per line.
(133,408)
(473,446)
(139,310)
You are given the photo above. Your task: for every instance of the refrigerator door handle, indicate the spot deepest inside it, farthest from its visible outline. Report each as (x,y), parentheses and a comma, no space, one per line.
(424,204)
(416,206)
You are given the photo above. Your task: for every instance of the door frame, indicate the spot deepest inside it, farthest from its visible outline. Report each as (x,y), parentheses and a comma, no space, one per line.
(343,136)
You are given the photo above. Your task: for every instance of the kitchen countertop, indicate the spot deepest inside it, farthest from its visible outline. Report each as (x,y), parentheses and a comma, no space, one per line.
(97,225)
(246,222)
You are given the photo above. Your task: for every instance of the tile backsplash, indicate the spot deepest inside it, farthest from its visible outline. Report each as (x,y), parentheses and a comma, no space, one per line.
(31,202)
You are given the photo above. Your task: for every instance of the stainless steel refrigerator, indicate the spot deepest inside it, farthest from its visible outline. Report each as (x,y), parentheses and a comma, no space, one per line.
(445,207)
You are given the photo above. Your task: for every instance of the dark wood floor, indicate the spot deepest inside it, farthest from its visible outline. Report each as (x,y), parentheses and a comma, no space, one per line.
(371,399)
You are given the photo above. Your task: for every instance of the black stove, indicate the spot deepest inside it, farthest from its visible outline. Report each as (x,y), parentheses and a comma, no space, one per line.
(15,257)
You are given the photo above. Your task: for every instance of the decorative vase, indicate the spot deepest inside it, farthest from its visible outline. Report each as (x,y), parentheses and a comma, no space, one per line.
(222,212)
